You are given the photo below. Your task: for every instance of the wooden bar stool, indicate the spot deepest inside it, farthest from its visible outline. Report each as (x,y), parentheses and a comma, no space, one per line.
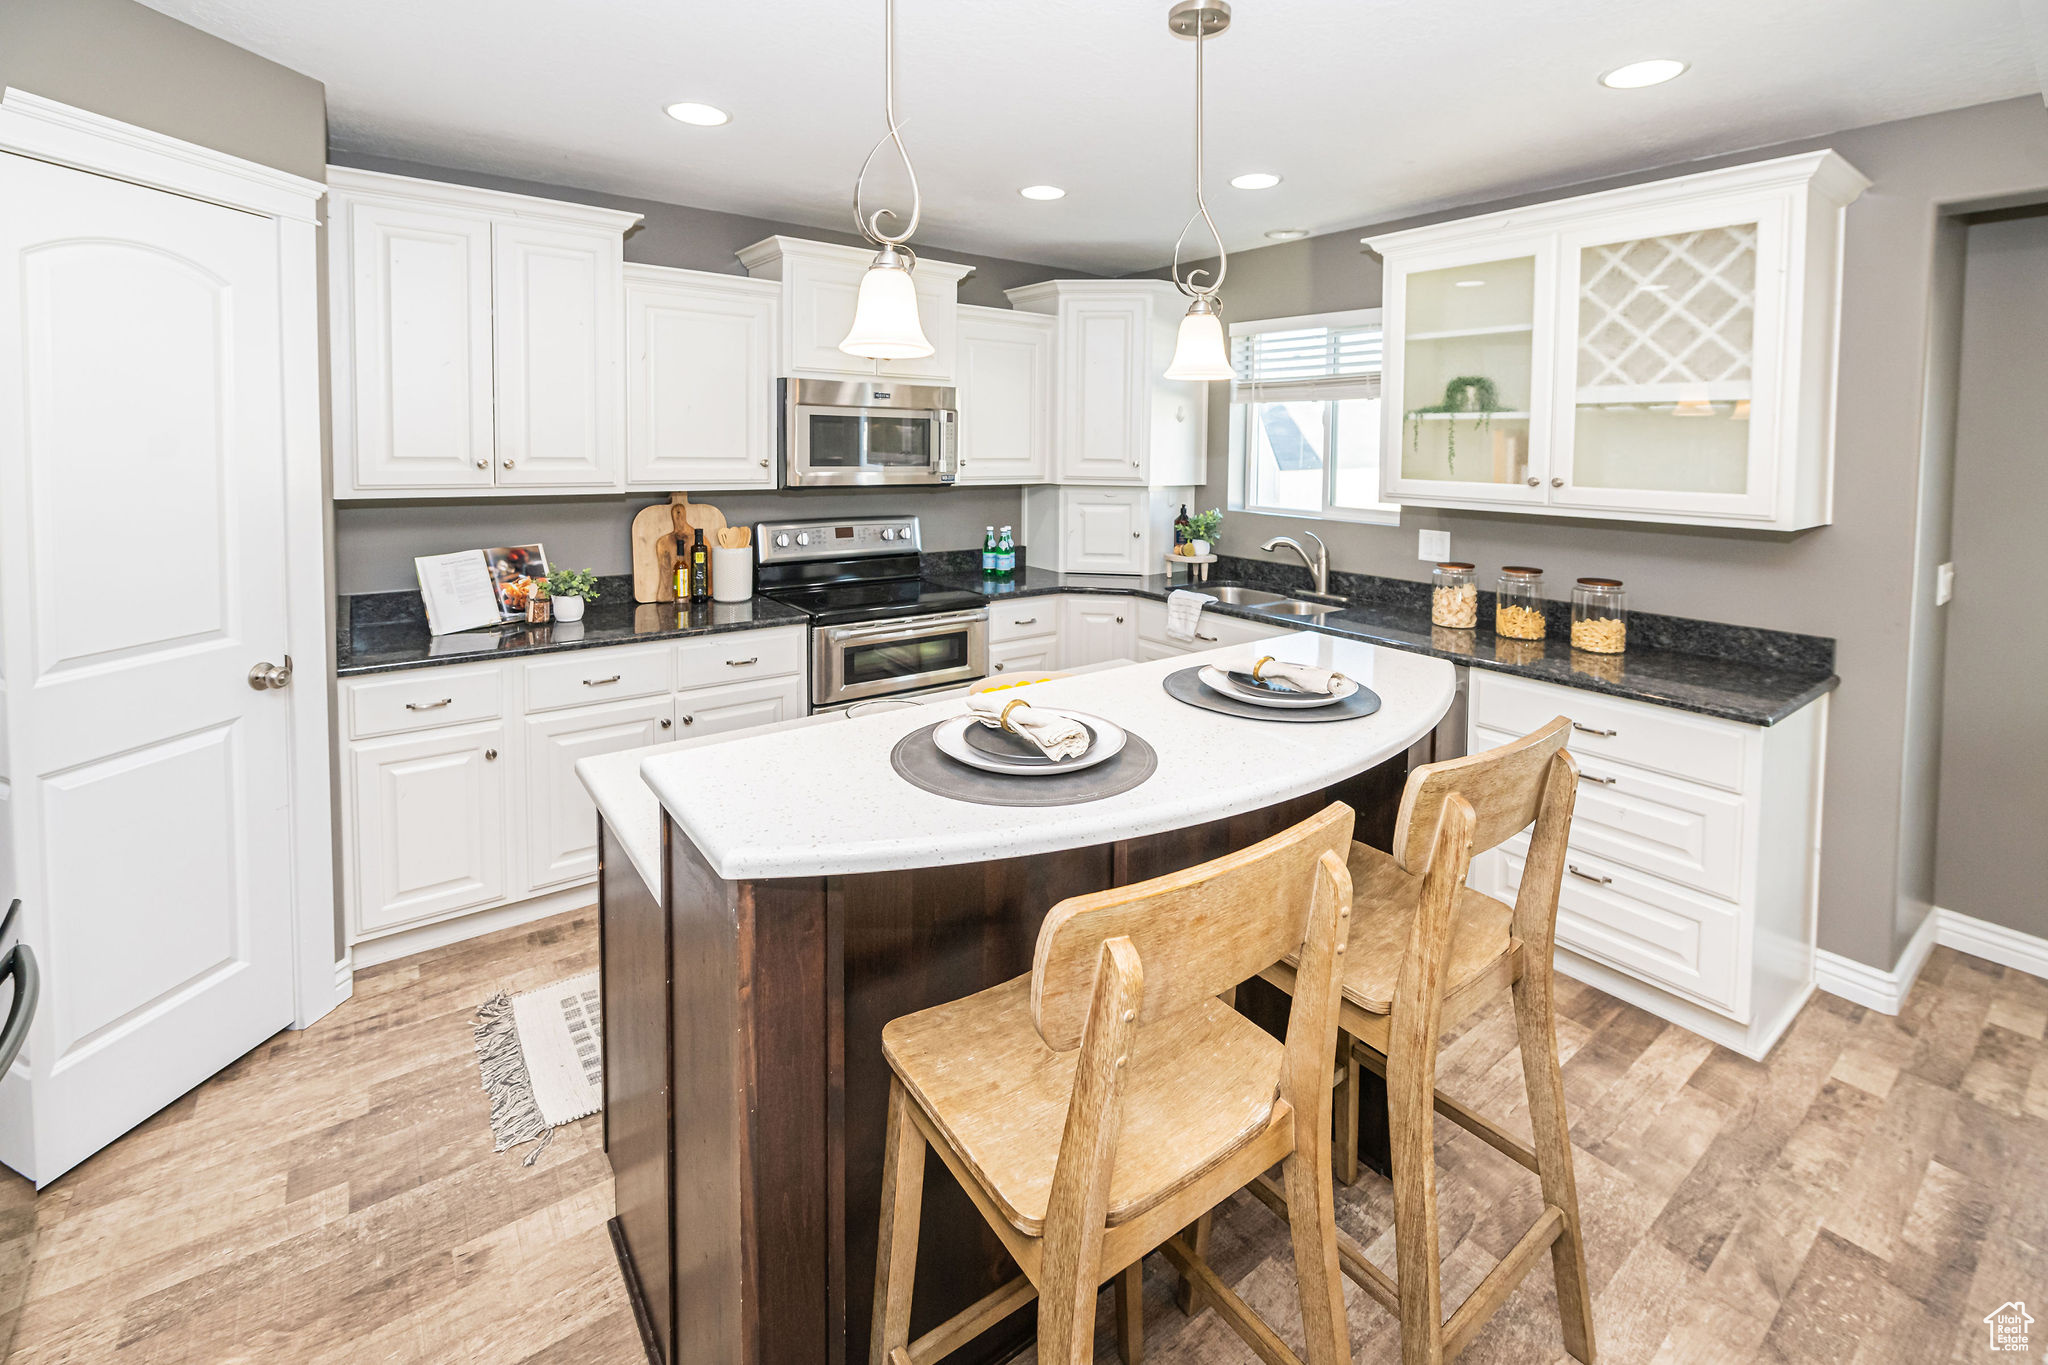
(1099,1105)
(1426,950)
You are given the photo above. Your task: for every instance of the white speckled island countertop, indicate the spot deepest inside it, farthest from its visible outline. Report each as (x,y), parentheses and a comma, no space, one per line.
(822,799)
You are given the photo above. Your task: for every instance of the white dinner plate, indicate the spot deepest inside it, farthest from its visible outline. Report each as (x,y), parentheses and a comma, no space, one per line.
(1218,681)
(951,741)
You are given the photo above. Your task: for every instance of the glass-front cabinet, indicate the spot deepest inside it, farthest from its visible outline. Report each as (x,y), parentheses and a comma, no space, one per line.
(1663,352)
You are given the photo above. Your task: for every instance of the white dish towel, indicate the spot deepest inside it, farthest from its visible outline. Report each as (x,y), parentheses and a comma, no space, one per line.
(1056,734)
(1184,611)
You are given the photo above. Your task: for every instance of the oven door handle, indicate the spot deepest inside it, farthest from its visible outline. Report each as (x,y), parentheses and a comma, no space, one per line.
(908,628)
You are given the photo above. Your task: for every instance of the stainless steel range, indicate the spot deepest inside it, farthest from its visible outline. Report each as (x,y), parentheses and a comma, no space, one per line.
(877,628)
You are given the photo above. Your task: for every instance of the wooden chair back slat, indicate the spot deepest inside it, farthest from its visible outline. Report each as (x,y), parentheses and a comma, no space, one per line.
(1504,785)
(1198,932)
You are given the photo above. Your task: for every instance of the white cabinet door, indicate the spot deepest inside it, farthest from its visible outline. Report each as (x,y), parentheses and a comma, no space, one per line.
(819,300)
(417,348)
(1039,654)
(700,380)
(1105,530)
(1005,396)
(1095,630)
(714,710)
(1103,394)
(560,820)
(558,340)
(427,818)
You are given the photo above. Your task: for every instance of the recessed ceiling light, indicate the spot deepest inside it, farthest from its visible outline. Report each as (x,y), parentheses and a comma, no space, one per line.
(698,115)
(1255,180)
(1288,234)
(1043,192)
(1471,284)
(1636,75)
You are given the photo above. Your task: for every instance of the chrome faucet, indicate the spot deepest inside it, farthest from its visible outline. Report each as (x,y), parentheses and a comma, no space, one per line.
(1318,565)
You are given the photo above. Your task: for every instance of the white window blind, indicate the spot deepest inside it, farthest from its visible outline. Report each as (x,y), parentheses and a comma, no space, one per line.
(1302,364)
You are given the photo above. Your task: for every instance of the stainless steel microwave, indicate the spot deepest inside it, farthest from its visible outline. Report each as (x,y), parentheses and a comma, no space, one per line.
(867,431)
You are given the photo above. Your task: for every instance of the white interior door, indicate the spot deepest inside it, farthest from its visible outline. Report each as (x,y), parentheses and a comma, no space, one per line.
(141,541)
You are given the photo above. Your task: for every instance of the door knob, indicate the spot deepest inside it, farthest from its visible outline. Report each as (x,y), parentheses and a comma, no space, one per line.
(267,676)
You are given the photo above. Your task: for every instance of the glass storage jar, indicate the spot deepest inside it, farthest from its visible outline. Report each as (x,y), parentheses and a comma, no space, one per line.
(1454,596)
(1518,603)
(1599,616)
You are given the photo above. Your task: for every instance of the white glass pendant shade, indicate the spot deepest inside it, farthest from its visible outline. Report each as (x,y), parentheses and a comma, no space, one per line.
(1199,352)
(885,323)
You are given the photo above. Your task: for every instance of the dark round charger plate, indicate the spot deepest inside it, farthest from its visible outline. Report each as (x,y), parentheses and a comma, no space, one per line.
(1186,685)
(917,760)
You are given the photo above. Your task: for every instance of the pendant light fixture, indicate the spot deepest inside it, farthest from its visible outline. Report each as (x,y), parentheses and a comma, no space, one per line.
(1199,352)
(885,323)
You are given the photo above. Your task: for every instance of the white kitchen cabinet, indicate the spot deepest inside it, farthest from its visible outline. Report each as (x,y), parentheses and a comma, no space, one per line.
(1689,885)
(1117,418)
(476,340)
(558,338)
(426,825)
(738,706)
(700,380)
(1663,352)
(1005,386)
(1035,654)
(1096,630)
(820,285)
(559,821)
(1100,530)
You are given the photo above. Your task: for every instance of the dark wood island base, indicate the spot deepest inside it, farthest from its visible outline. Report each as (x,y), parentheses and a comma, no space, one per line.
(746,1091)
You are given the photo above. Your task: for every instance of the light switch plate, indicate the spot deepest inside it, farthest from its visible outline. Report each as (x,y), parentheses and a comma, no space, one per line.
(1944,584)
(1434,546)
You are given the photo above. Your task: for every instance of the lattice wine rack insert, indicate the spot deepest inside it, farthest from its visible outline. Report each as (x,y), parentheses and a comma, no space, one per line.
(1672,310)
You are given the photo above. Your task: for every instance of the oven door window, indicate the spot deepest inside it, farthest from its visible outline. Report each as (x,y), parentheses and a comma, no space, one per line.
(886,662)
(835,440)
(900,442)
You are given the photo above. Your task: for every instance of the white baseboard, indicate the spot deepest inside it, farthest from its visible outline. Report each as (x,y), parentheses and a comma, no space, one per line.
(1885,991)
(369,952)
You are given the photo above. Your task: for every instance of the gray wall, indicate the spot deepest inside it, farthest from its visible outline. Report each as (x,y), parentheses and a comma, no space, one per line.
(1992,859)
(126,61)
(377,541)
(1858,579)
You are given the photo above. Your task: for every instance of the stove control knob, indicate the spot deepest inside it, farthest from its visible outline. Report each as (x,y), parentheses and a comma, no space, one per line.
(782,540)
(803,538)
(888,533)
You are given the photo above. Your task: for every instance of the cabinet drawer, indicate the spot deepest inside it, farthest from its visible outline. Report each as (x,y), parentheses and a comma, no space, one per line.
(1022,619)
(424,698)
(1682,831)
(742,656)
(1639,924)
(720,710)
(596,675)
(1036,654)
(1657,737)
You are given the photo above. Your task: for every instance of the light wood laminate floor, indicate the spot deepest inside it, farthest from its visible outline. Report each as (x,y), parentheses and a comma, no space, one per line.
(1865,1196)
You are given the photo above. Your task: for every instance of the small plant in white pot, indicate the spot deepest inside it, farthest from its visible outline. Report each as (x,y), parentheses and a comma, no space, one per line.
(570,589)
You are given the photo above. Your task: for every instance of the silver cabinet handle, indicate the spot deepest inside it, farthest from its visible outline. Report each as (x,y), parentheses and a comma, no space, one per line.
(491,755)
(998,668)
(1025,621)
(666,722)
(1589,730)
(1119,620)
(1210,638)
(1586,876)
(429,705)
(1137,535)
(483,464)
(508,464)
(742,663)
(1557,482)
(601,682)
(1534,481)
(1603,781)
(689,720)
(764,464)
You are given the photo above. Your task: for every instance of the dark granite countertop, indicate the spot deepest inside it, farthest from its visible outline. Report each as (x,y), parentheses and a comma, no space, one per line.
(1736,673)
(387,632)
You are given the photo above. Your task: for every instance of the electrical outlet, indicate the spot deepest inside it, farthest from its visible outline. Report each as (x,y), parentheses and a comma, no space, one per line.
(1944,584)
(1434,546)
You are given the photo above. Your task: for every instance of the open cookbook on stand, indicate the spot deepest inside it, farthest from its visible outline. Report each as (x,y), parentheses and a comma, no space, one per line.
(469,589)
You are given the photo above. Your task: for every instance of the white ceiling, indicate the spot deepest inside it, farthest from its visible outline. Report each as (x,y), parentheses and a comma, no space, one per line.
(1371,109)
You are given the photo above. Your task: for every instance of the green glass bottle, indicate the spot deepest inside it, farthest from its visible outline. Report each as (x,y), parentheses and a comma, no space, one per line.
(988,552)
(1006,555)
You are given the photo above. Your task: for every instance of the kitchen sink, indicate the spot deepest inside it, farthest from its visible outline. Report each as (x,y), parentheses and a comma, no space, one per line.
(1231,595)
(1296,607)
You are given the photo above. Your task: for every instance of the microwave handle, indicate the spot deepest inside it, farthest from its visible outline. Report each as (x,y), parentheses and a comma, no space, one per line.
(949,444)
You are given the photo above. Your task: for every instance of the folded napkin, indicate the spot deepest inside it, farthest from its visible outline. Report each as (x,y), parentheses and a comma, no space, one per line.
(1183,610)
(1056,734)
(1300,677)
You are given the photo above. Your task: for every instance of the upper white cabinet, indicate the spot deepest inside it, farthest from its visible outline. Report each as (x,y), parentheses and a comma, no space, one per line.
(1116,418)
(477,339)
(1005,384)
(820,283)
(700,379)
(1663,352)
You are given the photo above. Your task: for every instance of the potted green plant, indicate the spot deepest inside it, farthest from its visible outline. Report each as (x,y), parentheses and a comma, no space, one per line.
(570,590)
(1204,530)
(1468,393)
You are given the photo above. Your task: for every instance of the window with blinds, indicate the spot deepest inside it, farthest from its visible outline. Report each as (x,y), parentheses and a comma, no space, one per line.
(1307,363)
(1306,416)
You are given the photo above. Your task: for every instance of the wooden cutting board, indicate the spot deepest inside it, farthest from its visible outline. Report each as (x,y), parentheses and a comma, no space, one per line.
(659,534)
